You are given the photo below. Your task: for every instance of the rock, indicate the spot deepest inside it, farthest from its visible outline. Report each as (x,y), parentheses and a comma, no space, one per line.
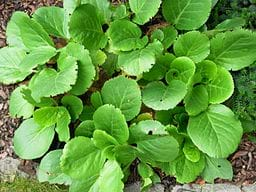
(8,169)
(207,188)
(249,188)
(135,187)
(157,188)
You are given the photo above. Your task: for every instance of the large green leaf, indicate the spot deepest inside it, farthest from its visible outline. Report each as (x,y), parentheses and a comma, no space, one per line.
(124,94)
(196,100)
(74,105)
(144,10)
(103,7)
(32,141)
(52,82)
(186,14)
(221,87)
(125,36)
(54,20)
(194,45)
(18,106)
(10,70)
(110,178)
(136,62)
(81,159)
(49,116)
(85,27)
(216,131)
(110,119)
(29,32)
(158,96)
(217,168)
(186,171)
(182,68)
(49,169)
(86,69)
(234,50)
(158,148)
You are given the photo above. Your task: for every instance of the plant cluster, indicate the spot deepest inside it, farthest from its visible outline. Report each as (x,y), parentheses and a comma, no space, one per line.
(113,93)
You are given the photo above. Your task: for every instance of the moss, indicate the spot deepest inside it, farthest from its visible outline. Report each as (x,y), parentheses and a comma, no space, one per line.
(28,185)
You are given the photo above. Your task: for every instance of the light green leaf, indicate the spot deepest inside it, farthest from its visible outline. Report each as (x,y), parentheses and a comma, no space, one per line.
(230,24)
(206,71)
(186,14)
(49,169)
(81,159)
(54,20)
(53,83)
(103,140)
(141,130)
(89,32)
(103,8)
(49,116)
(124,94)
(110,119)
(125,36)
(194,45)
(32,141)
(157,34)
(144,170)
(216,131)
(186,171)
(86,69)
(196,100)
(182,68)
(125,154)
(70,5)
(98,57)
(110,64)
(158,148)
(110,178)
(85,128)
(18,106)
(119,12)
(221,87)
(10,70)
(39,56)
(96,99)
(217,168)
(74,106)
(144,10)
(158,71)
(29,31)
(158,96)
(136,62)
(234,50)
(170,34)
(191,152)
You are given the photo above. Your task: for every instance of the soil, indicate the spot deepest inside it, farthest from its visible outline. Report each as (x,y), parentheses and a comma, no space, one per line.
(243,161)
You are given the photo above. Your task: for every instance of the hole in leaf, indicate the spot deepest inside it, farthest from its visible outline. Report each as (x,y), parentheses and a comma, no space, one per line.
(150,133)
(105,27)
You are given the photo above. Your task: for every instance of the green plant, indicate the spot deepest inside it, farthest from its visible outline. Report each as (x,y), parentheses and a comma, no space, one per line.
(120,94)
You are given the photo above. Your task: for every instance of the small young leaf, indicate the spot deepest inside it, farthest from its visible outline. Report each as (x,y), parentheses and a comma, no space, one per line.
(103,140)
(49,169)
(85,128)
(119,12)
(170,34)
(234,50)
(191,152)
(158,96)
(98,57)
(206,71)
(144,10)
(18,106)
(70,5)
(187,14)
(124,94)
(32,141)
(81,159)
(87,113)
(196,100)
(221,87)
(144,170)
(125,36)
(230,24)
(182,68)
(96,99)
(89,32)
(217,168)
(125,154)
(216,131)
(54,20)
(74,105)
(110,119)
(194,45)
(186,171)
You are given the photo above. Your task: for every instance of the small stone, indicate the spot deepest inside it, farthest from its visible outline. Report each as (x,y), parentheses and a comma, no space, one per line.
(157,188)
(207,188)
(135,187)
(8,169)
(249,188)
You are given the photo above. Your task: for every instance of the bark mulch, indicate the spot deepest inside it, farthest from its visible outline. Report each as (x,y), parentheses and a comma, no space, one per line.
(243,161)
